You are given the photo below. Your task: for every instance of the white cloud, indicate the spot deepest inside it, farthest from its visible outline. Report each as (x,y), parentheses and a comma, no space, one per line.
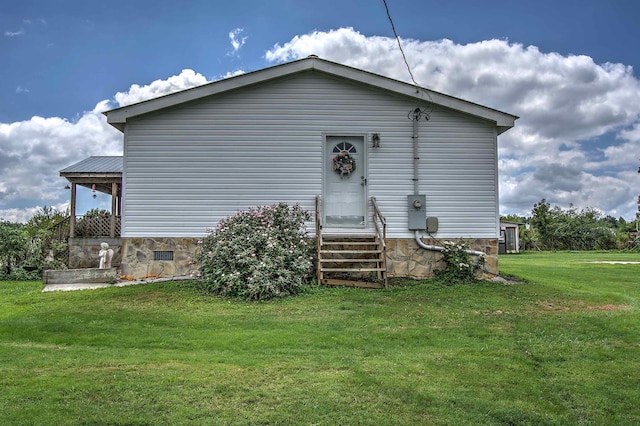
(34,151)
(565,103)
(23,215)
(236,39)
(17,215)
(21,89)
(37,21)
(233,73)
(14,33)
(185,80)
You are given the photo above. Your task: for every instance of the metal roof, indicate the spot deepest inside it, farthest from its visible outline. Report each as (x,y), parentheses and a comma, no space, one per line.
(96,164)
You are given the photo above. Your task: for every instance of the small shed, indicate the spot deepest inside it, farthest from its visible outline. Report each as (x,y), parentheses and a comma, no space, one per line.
(509,241)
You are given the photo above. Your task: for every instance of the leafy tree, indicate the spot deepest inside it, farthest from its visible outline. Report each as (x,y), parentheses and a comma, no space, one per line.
(514,218)
(14,245)
(43,220)
(572,229)
(42,230)
(97,212)
(540,221)
(24,248)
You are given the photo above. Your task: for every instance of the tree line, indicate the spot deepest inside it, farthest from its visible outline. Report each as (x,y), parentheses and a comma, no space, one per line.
(555,228)
(26,248)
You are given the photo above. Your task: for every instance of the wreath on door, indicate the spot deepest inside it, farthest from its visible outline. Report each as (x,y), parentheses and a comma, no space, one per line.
(344,164)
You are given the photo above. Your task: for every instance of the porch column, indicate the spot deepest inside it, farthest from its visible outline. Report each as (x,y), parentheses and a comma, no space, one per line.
(119,199)
(114,197)
(72,217)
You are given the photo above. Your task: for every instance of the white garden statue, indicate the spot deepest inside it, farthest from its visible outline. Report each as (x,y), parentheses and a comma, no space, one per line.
(106,254)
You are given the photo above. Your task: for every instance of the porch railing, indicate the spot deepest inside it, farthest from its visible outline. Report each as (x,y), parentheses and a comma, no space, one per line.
(96,226)
(60,231)
(380,223)
(319,219)
(57,243)
(318,233)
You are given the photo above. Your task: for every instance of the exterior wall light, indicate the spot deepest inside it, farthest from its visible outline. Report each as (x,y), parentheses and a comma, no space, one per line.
(375,140)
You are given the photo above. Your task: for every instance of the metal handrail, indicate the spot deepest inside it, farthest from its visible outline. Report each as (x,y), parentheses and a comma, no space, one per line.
(380,222)
(60,230)
(319,220)
(318,238)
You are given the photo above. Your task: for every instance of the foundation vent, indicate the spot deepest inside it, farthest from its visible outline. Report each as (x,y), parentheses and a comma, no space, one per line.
(163,255)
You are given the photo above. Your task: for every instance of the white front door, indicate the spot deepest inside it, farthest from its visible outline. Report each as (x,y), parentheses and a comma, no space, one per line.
(345,179)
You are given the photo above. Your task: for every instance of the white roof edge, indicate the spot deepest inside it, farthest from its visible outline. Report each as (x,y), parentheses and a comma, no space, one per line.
(117,117)
(502,119)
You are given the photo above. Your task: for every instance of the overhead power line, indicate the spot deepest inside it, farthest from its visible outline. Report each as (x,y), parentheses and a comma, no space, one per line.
(393,27)
(416,113)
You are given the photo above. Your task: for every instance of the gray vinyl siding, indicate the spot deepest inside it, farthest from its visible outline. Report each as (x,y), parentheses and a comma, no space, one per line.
(189,166)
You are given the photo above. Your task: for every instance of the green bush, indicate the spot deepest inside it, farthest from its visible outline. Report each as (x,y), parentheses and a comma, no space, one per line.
(14,246)
(258,254)
(460,267)
(20,274)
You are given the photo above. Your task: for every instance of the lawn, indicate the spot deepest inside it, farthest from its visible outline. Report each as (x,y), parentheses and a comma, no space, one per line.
(561,348)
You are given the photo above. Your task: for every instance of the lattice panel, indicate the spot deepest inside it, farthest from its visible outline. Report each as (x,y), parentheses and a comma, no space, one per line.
(96,226)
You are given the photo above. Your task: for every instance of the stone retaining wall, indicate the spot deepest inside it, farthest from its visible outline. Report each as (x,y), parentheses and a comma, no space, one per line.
(79,276)
(406,259)
(83,252)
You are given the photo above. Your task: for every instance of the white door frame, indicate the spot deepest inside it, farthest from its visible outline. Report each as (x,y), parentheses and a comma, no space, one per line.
(359,174)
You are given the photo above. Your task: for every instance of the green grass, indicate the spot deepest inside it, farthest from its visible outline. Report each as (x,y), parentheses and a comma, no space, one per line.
(561,349)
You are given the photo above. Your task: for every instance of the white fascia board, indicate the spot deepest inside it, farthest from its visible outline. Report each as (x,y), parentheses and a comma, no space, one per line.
(118,117)
(502,119)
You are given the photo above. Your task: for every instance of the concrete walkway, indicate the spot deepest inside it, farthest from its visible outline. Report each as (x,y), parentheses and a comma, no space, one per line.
(92,286)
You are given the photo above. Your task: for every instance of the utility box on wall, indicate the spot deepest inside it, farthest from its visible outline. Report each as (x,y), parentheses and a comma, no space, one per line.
(432,225)
(417,211)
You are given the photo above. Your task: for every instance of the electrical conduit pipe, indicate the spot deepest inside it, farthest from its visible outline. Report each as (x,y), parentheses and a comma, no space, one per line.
(440,248)
(416,187)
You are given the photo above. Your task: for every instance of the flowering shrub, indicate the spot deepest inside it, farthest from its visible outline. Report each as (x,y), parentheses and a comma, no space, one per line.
(258,254)
(460,266)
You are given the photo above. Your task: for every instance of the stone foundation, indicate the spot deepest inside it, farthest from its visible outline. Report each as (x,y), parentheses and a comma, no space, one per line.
(406,259)
(138,257)
(83,252)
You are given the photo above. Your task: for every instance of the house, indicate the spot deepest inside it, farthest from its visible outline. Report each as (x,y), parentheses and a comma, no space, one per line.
(509,241)
(371,157)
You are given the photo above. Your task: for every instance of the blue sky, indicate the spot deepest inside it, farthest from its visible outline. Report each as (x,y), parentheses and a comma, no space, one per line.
(563,66)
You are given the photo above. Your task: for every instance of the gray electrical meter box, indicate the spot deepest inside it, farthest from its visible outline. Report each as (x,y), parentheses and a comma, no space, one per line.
(417,210)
